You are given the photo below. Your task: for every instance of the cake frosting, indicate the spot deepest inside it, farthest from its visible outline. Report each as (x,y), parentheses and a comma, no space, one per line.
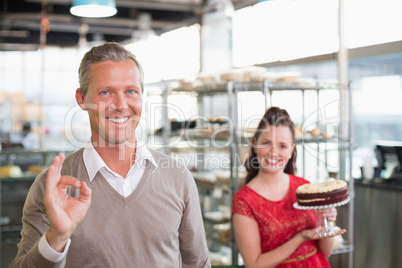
(322,193)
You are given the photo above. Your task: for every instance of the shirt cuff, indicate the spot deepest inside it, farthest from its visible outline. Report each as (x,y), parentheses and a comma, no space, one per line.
(49,253)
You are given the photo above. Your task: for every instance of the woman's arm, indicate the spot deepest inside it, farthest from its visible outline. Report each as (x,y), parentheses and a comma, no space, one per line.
(326,246)
(249,243)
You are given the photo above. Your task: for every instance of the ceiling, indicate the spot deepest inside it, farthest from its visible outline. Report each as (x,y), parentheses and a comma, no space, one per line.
(20,21)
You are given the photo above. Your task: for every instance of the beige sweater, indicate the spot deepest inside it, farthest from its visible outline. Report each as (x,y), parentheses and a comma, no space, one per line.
(158,225)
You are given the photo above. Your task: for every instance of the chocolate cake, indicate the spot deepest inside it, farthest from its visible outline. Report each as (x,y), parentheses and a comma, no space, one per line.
(322,193)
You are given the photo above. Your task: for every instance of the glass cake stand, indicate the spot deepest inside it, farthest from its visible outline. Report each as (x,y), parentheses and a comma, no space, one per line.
(328,228)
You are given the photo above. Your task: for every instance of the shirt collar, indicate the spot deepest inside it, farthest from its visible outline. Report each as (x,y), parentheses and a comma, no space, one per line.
(93,162)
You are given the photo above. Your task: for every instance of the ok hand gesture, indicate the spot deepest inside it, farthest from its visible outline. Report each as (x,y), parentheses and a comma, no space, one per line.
(63,211)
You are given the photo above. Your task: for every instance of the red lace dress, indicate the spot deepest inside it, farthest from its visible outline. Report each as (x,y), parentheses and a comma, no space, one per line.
(279,221)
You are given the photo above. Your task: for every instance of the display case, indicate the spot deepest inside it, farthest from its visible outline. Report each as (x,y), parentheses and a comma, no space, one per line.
(18,170)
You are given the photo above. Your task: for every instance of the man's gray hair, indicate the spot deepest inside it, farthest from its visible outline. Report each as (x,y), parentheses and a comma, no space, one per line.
(109,51)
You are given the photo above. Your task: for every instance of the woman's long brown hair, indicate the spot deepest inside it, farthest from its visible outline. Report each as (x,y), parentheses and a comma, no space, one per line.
(274,116)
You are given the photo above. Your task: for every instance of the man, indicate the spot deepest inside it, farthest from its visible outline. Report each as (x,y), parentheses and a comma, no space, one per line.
(29,138)
(112,203)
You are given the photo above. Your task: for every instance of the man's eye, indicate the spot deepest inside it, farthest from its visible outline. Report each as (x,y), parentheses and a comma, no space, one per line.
(131,92)
(104,93)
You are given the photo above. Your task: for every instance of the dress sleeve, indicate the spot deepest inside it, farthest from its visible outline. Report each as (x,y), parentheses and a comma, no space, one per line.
(241,206)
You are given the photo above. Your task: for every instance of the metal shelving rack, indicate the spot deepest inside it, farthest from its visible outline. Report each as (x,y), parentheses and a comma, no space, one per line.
(343,139)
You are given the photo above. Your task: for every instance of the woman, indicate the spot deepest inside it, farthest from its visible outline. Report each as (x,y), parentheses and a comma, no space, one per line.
(269,231)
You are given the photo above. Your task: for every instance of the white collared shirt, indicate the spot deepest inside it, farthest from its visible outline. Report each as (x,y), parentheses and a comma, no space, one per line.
(124,186)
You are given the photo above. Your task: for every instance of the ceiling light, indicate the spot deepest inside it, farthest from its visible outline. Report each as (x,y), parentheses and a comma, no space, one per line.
(224,7)
(93,8)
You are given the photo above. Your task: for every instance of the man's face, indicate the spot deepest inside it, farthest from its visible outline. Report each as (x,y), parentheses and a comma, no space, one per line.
(113,102)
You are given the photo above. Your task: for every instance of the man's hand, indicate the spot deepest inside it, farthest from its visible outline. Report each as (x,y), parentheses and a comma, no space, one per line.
(64,212)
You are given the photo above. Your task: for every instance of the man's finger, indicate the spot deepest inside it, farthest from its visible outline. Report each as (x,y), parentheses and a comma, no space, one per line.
(69,181)
(60,163)
(85,193)
(53,173)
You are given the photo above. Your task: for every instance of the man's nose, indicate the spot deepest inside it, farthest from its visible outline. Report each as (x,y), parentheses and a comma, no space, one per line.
(119,103)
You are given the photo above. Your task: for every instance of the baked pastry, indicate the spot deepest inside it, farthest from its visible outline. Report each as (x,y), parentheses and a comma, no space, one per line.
(322,193)
(315,132)
(10,171)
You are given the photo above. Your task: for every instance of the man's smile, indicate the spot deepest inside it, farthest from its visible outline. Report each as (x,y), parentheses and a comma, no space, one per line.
(118,120)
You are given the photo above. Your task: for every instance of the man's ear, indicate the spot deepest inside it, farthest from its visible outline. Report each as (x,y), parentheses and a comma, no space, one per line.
(80,99)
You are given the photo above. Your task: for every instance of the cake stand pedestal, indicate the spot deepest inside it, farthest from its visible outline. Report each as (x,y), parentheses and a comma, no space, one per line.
(328,228)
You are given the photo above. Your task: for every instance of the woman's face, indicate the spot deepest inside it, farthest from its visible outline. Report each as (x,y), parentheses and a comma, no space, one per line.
(274,148)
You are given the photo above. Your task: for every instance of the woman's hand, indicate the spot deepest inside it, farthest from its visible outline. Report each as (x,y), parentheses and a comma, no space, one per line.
(313,234)
(64,212)
(330,214)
